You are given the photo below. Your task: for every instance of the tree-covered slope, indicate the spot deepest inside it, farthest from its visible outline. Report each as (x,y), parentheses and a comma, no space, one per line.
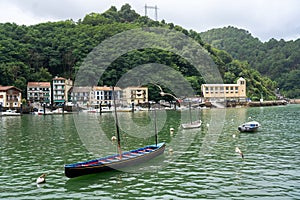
(279,60)
(40,52)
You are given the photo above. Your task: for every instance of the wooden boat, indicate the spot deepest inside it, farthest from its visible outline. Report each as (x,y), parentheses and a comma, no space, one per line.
(194,124)
(249,127)
(117,161)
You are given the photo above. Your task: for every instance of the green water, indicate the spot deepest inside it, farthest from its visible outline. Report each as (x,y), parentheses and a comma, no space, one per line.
(197,164)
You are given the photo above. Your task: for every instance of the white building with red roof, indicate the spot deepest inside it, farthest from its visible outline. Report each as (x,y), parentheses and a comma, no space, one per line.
(10,96)
(39,92)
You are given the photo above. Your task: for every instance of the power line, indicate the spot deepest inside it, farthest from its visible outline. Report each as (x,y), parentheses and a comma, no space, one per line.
(151,7)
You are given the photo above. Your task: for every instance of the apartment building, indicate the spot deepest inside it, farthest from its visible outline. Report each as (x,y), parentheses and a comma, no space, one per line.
(10,96)
(39,92)
(61,89)
(135,95)
(104,95)
(80,95)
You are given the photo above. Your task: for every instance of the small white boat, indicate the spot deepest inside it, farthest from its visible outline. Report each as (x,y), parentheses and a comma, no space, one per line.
(10,113)
(249,127)
(194,124)
(41,112)
(59,111)
(90,110)
(191,124)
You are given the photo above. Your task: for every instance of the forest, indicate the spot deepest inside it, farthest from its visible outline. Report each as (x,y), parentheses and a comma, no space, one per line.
(42,51)
(278,60)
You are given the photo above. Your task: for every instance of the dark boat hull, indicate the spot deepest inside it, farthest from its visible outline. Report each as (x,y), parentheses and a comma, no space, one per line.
(130,158)
(247,129)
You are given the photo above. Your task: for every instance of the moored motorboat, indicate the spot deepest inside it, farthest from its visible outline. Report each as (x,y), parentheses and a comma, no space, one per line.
(249,127)
(10,113)
(42,112)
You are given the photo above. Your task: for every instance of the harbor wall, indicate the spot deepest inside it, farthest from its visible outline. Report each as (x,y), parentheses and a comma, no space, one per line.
(295,101)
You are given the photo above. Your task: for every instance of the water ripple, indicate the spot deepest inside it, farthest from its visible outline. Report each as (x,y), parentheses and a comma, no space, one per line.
(270,170)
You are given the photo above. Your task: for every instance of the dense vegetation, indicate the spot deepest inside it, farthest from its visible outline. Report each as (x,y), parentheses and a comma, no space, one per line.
(40,52)
(279,60)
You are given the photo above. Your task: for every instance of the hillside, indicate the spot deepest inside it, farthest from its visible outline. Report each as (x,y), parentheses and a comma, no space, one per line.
(279,60)
(40,52)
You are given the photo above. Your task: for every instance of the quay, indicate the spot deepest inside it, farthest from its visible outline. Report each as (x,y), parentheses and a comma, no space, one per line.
(295,101)
(267,103)
(247,104)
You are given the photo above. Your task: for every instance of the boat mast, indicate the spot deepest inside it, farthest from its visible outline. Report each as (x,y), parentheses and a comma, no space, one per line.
(117,123)
(155,128)
(190,110)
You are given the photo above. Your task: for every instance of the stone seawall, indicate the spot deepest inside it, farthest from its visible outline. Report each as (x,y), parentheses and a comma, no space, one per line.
(267,103)
(295,101)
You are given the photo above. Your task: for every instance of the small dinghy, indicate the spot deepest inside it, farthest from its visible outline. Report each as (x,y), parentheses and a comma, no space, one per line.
(249,127)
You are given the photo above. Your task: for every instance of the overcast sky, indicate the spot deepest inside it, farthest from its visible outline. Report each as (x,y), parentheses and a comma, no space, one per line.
(265,19)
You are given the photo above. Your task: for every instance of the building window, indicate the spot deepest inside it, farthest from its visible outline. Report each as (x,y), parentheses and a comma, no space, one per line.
(236,89)
(211,90)
(221,90)
(227,89)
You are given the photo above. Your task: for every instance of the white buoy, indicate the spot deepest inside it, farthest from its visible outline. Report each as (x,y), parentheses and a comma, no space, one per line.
(237,150)
(41,179)
(171,131)
(113,138)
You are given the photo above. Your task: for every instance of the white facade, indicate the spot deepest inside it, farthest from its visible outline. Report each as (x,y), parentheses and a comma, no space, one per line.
(104,95)
(61,87)
(39,92)
(81,95)
(10,96)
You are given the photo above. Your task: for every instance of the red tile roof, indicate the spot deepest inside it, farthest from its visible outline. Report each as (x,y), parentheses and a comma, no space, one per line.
(38,84)
(5,88)
(105,88)
(59,78)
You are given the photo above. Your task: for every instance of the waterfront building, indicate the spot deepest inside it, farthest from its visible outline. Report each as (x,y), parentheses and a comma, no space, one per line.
(232,92)
(39,92)
(10,96)
(61,89)
(136,95)
(80,95)
(103,95)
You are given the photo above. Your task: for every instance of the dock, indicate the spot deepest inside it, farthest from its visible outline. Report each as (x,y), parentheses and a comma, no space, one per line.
(267,103)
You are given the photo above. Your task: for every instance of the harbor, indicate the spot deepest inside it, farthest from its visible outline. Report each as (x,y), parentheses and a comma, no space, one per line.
(197,163)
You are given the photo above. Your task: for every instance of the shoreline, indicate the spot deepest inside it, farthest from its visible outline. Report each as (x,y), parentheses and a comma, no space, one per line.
(231,104)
